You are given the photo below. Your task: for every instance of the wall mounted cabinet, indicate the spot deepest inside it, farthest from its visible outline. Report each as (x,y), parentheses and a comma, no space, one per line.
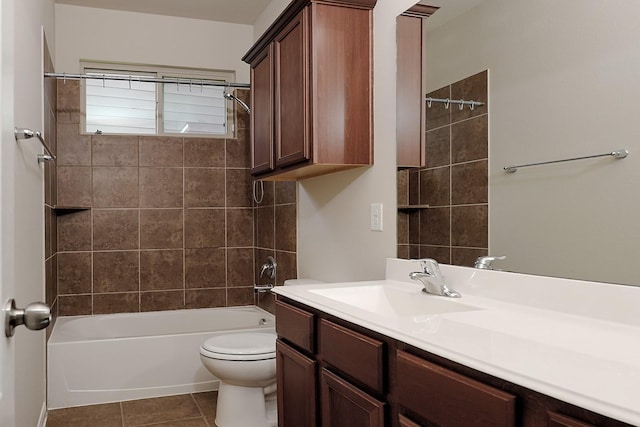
(410,113)
(311,97)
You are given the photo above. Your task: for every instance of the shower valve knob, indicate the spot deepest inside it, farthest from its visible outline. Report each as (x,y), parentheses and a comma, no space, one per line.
(35,316)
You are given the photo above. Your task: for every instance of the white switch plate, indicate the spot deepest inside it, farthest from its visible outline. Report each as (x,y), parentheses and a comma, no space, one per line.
(376,216)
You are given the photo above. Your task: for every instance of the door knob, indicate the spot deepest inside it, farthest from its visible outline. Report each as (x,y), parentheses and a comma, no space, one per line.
(35,316)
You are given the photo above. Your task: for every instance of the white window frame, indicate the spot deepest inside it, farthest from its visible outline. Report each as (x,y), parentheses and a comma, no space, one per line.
(159,72)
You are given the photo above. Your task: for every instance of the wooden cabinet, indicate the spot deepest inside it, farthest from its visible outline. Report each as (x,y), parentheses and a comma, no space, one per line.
(262,111)
(311,103)
(344,405)
(337,347)
(334,373)
(448,399)
(409,92)
(410,104)
(297,384)
(558,420)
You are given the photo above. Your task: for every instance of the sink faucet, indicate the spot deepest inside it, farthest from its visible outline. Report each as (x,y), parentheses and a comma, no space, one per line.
(432,279)
(484,262)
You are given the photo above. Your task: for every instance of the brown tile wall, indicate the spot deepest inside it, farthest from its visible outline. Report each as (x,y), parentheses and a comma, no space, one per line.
(275,231)
(172,223)
(453,183)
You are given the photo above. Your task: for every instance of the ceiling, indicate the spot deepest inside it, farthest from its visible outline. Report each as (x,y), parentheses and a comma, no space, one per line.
(243,11)
(233,11)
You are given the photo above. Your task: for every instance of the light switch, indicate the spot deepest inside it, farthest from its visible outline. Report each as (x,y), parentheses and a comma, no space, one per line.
(376,216)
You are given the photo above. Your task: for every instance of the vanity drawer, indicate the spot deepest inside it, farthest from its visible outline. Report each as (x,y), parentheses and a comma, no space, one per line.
(448,399)
(295,325)
(352,353)
(558,420)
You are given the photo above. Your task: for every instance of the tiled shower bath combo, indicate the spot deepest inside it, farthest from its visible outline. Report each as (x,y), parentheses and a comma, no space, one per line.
(153,223)
(172,223)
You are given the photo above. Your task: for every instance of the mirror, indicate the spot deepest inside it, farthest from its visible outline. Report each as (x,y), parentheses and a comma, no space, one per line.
(562,83)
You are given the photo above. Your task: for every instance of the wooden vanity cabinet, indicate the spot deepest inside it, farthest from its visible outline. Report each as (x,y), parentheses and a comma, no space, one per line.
(334,373)
(311,102)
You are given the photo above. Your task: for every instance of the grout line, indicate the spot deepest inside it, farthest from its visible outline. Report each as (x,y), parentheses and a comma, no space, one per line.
(184,244)
(450,183)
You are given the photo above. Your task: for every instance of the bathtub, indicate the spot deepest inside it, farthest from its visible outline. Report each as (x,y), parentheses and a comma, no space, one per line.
(117,357)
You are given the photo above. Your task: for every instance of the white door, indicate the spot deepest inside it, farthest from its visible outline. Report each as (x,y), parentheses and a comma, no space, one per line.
(22,357)
(7,366)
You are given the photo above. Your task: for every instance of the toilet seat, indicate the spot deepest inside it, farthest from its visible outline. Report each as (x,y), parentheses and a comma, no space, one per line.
(244,346)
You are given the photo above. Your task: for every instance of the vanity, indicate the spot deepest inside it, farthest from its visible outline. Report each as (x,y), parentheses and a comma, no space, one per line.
(515,350)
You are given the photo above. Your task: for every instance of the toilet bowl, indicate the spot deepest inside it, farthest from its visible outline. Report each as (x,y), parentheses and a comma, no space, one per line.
(245,364)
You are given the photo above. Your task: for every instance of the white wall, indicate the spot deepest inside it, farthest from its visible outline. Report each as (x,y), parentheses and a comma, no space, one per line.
(109,35)
(563,83)
(268,16)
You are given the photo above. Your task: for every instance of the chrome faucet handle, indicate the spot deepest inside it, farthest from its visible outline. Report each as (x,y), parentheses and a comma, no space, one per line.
(270,266)
(430,266)
(484,262)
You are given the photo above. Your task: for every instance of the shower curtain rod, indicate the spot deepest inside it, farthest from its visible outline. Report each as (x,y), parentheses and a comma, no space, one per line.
(174,80)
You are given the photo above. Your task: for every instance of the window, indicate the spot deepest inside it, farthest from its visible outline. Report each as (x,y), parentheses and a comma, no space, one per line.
(138,107)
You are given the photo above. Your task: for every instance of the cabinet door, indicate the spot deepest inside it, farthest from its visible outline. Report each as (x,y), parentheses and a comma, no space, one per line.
(409,93)
(344,405)
(296,375)
(262,113)
(291,52)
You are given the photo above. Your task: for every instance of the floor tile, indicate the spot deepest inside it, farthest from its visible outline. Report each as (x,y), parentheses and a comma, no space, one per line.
(107,415)
(159,410)
(207,402)
(196,422)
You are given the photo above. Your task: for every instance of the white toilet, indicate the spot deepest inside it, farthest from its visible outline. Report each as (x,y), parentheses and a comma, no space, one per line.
(245,364)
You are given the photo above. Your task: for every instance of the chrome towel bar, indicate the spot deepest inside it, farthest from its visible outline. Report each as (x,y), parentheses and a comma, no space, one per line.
(24,133)
(618,154)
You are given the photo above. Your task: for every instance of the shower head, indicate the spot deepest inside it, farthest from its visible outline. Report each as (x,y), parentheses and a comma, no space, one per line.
(232,97)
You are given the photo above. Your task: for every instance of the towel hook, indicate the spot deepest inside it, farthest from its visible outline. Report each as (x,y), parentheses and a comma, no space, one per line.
(462,104)
(429,102)
(446,104)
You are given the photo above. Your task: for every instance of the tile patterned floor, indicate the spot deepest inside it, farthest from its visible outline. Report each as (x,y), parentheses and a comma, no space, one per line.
(186,410)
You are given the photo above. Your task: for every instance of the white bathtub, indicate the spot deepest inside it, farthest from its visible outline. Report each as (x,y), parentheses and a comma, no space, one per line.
(116,357)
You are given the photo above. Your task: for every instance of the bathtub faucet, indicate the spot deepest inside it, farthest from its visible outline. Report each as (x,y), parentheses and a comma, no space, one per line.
(269,266)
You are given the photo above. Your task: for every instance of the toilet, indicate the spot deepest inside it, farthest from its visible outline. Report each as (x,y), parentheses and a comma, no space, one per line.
(245,364)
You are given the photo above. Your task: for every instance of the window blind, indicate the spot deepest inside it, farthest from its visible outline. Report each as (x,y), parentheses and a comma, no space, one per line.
(115,106)
(194,109)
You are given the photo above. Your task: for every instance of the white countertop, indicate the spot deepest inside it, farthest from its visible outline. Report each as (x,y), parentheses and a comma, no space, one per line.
(572,340)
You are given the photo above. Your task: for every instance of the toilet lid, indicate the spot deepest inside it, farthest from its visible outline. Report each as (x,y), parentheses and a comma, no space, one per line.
(242,344)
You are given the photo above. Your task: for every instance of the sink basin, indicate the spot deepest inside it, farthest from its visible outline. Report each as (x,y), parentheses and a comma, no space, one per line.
(396,301)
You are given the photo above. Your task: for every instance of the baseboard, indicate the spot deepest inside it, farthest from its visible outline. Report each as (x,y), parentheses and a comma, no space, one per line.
(42,421)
